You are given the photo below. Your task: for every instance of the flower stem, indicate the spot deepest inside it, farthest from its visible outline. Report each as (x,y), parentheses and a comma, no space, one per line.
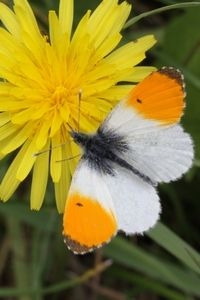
(159,10)
(18,248)
(55,288)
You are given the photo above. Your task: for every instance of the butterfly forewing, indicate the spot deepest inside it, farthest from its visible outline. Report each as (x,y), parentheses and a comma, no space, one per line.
(89,218)
(159,97)
(158,147)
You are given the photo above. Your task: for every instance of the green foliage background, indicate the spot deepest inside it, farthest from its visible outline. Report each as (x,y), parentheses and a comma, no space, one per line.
(162,264)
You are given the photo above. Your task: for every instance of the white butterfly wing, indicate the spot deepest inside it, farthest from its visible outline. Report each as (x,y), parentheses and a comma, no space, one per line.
(158,147)
(89,218)
(163,155)
(136,202)
(98,205)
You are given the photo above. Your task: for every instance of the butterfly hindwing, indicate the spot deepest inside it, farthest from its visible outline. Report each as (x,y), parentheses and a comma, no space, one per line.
(163,155)
(136,202)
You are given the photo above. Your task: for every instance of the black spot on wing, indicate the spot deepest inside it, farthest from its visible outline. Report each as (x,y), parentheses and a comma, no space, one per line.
(139,101)
(79,204)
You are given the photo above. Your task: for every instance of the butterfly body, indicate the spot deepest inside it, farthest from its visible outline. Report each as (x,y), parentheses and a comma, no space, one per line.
(139,145)
(105,149)
(101,149)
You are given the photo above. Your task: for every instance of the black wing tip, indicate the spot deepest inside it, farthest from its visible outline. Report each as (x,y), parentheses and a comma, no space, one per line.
(80,249)
(175,74)
(76,247)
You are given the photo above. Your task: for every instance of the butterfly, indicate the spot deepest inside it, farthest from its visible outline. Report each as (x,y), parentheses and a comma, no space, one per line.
(139,145)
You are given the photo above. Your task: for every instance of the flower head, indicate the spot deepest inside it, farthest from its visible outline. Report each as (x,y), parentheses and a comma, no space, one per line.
(42,79)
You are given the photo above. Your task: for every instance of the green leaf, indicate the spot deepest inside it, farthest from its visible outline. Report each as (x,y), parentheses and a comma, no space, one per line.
(176,246)
(133,257)
(37,219)
(144,283)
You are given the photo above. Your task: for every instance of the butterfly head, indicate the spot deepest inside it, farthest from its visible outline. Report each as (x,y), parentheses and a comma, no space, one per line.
(79,138)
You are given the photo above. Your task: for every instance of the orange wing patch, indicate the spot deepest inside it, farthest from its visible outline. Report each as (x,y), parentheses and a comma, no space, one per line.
(87,225)
(160,96)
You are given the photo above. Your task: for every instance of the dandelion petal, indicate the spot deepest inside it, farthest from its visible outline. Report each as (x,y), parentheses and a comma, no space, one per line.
(40,178)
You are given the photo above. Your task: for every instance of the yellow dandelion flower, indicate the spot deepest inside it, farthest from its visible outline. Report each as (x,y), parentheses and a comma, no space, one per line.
(41,79)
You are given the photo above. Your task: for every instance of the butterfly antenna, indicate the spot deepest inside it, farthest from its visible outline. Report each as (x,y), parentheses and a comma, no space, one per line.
(70,127)
(48,150)
(69,158)
(79,108)
(79,112)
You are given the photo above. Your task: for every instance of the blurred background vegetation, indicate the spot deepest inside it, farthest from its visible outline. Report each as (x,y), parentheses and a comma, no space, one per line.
(162,264)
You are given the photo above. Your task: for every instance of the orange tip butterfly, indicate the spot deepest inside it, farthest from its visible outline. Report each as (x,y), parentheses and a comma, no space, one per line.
(139,145)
